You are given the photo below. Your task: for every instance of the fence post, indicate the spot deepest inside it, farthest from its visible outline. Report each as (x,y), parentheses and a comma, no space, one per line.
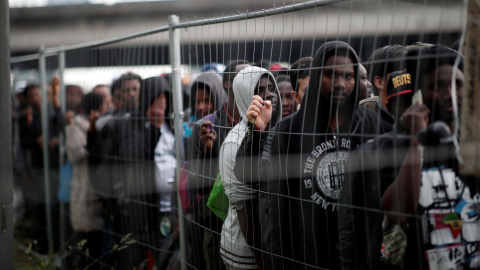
(61,148)
(177,116)
(46,162)
(6,162)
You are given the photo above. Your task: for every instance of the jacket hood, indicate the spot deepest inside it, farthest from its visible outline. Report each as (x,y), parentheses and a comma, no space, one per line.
(315,111)
(214,82)
(152,88)
(244,86)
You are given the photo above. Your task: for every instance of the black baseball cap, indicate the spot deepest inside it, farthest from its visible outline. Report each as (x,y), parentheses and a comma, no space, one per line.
(399,83)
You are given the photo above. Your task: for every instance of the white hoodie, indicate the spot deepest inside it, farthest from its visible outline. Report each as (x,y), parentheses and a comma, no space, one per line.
(233,247)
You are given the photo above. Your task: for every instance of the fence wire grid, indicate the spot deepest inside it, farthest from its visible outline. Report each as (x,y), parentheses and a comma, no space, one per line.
(317,135)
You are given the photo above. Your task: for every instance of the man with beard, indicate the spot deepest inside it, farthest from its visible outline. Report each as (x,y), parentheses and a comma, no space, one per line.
(286,95)
(303,161)
(427,207)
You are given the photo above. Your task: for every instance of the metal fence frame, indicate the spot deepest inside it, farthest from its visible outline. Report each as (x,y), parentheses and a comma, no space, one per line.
(6,162)
(175,61)
(174,27)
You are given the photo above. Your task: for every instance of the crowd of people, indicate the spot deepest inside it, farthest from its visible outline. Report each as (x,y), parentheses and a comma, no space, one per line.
(330,163)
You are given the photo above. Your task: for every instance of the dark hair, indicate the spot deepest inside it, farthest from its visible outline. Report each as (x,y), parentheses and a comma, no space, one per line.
(424,60)
(230,69)
(72,88)
(100,85)
(300,70)
(282,78)
(91,101)
(117,84)
(385,60)
(28,88)
(168,77)
(263,63)
(280,72)
(153,87)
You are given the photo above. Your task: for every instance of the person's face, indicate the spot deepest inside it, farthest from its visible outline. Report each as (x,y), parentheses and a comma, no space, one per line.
(302,88)
(74,100)
(288,102)
(439,92)
(365,85)
(204,105)
(117,100)
(266,90)
(34,98)
(102,109)
(130,92)
(156,111)
(381,84)
(21,98)
(338,80)
(107,97)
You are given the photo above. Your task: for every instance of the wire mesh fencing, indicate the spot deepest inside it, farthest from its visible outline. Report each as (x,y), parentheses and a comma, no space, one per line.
(318,135)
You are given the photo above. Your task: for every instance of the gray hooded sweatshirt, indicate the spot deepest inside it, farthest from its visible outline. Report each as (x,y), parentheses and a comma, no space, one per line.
(234,248)
(213,81)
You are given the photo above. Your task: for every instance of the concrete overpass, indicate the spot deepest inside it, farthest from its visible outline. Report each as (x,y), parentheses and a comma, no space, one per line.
(387,20)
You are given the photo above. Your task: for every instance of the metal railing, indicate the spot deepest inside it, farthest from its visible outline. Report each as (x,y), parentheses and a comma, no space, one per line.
(175,62)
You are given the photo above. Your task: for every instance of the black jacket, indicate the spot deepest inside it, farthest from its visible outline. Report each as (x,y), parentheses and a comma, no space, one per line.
(302,165)
(203,168)
(372,168)
(125,173)
(30,134)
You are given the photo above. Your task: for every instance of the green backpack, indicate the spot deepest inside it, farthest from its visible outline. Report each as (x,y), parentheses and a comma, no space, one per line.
(218,200)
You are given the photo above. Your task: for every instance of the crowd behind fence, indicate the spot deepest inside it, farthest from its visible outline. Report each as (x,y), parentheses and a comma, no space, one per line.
(304,152)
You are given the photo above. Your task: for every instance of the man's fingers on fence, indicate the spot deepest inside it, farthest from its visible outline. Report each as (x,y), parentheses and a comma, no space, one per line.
(207,123)
(256,109)
(257,98)
(253,112)
(251,115)
(208,136)
(257,103)
(214,135)
(415,118)
(268,105)
(204,130)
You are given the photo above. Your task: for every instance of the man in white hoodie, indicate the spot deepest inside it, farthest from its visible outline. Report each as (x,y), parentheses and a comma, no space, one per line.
(235,250)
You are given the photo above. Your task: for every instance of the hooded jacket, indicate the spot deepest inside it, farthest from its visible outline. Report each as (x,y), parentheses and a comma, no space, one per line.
(125,174)
(202,167)
(234,249)
(213,81)
(152,88)
(306,166)
(442,190)
(244,89)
